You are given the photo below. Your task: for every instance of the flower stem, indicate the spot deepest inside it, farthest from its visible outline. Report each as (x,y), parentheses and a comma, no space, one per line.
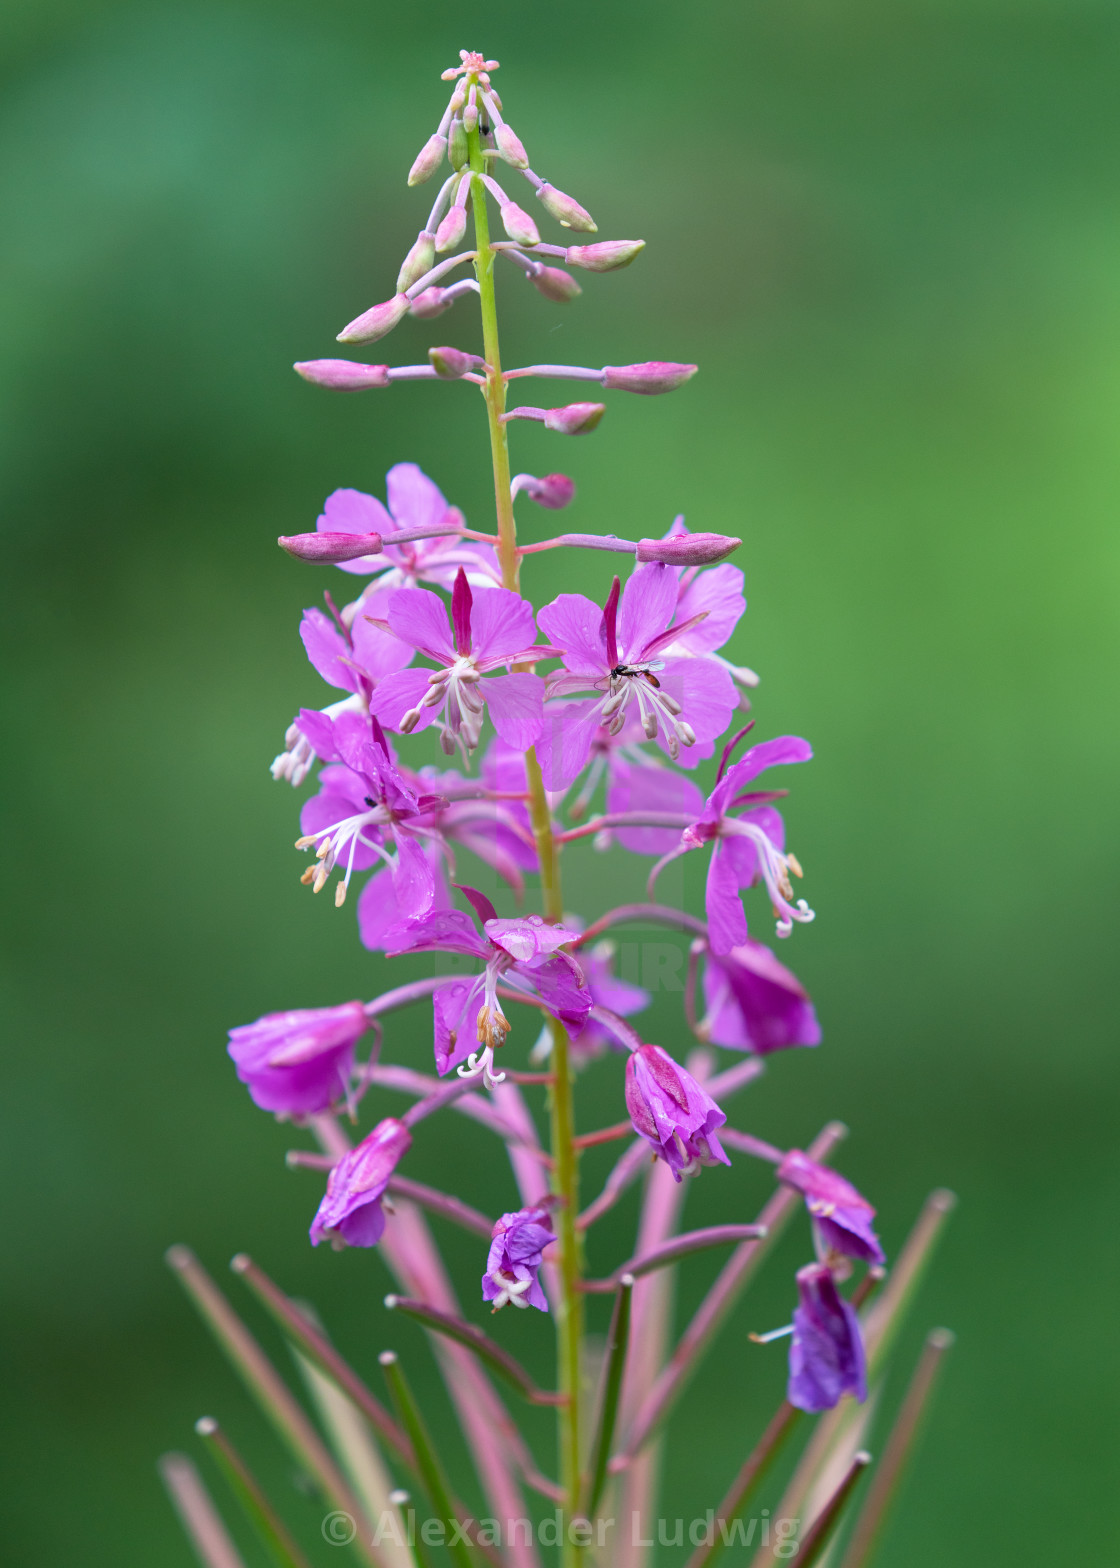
(565,1175)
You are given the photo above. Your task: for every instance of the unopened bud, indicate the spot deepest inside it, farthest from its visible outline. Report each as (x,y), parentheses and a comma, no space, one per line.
(566,210)
(451,363)
(655,375)
(555,284)
(457,149)
(330,547)
(575,419)
(432,302)
(553,491)
(518,225)
(420,259)
(376,322)
(688,549)
(605,256)
(342,375)
(510,148)
(428,160)
(452,229)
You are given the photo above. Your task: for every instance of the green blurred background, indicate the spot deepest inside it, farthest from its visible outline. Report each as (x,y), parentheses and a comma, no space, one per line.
(890,234)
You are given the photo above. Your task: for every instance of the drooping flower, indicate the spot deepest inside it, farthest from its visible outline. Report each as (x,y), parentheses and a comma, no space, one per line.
(415,501)
(670,1110)
(841,1215)
(748,837)
(826,1356)
(514,1260)
(358,803)
(299,1062)
(618,651)
(483,634)
(523,953)
(353,657)
(754,1003)
(351,1213)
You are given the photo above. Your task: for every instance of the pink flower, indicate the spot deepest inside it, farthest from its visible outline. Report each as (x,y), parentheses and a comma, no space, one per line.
(350,1213)
(841,1215)
(617,650)
(299,1062)
(524,954)
(482,635)
(669,1109)
(514,1261)
(754,1003)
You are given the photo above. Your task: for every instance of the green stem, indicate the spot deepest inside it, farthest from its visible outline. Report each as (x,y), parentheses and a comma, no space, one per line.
(247,1489)
(569,1309)
(428,1467)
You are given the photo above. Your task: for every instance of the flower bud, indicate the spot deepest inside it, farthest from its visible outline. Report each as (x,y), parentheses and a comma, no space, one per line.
(553,491)
(566,210)
(606,256)
(452,229)
(428,160)
(555,284)
(457,150)
(342,375)
(432,302)
(510,148)
(655,375)
(575,419)
(451,363)
(351,1213)
(420,259)
(688,549)
(518,225)
(376,322)
(330,548)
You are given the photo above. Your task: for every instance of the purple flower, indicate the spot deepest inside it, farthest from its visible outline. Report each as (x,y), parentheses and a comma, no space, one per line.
(351,1212)
(415,501)
(483,634)
(748,845)
(354,657)
(300,1062)
(841,1215)
(618,650)
(378,907)
(491,821)
(524,954)
(826,1359)
(754,1003)
(514,1260)
(672,1112)
(358,803)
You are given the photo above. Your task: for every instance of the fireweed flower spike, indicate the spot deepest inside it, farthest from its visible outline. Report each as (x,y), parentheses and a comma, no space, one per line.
(523,954)
(351,1213)
(672,1112)
(514,1261)
(482,635)
(298,1063)
(841,1216)
(644,692)
(826,1355)
(617,651)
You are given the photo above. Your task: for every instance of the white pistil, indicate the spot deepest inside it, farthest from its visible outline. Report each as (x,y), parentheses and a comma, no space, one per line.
(341,838)
(511,1290)
(775,867)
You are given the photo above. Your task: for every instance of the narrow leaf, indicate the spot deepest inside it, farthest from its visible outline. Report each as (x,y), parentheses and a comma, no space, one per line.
(618,1341)
(197,1514)
(249,1493)
(464,1333)
(427,1462)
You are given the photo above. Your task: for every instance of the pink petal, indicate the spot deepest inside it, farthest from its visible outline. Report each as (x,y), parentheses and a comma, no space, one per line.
(516,704)
(705,692)
(573,623)
(398,693)
(327,648)
(413,882)
(377,652)
(769,754)
(719,592)
(567,730)
(501,625)
(455,1015)
(419,618)
(648,601)
(727,924)
(414,499)
(378,910)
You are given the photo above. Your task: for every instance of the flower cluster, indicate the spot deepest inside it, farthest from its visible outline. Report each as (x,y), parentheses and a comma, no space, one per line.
(557,718)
